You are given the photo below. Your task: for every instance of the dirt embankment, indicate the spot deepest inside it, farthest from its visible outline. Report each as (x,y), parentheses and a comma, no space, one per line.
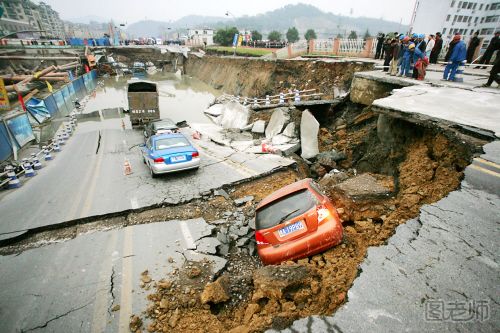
(258,77)
(419,166)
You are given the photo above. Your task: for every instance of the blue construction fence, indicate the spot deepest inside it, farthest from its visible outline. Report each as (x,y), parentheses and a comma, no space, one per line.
(89,41)
(18,131)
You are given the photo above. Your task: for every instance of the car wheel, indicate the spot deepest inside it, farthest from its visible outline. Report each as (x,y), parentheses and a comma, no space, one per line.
(153,175)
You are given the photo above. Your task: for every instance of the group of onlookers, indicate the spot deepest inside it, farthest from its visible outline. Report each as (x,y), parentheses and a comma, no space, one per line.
(410,55)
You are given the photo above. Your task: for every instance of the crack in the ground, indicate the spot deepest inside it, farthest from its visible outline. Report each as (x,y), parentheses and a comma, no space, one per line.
(112,289)
(56,318)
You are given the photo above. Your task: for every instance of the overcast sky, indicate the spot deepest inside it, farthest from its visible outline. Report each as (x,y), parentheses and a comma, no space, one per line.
(130,11)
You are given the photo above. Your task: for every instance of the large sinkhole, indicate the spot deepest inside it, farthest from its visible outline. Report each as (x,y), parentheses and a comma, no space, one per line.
(388,168)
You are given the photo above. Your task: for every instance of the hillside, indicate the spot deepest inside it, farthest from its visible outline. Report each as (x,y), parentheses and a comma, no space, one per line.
(301,16)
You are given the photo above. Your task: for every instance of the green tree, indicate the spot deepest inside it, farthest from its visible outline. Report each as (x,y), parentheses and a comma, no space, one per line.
(353,35)
(274,36)
(225,36)
(292,35)
(256,35)
(367,34)
(310,34)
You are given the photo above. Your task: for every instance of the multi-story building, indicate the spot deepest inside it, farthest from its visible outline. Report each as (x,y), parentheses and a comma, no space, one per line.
(451,17)
(25,15)
(200,37)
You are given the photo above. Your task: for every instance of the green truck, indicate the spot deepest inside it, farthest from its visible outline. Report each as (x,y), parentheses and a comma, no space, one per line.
(143,103)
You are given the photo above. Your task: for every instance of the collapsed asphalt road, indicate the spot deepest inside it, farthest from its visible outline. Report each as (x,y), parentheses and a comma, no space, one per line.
(86,178)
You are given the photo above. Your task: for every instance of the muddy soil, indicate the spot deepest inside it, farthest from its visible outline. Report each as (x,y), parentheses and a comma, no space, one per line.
(421,166)
(258,77)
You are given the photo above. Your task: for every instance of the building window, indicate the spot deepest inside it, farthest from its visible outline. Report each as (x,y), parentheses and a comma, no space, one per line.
(470,5)
(464,5)
(448,18)
(474,7)
(452,4)
(487,7)
(491,19)
(444,31)
(495,6)
(482,19)
(465,32)
(481,7)
(459,4)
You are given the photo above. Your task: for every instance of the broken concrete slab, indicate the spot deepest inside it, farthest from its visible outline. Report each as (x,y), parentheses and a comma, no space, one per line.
(280,139)
(259,126)
(363,196)
(465,107)
(234,115)
(278,120)
(215,110)
(364,186)
(207,245)
(309,129)
(244,200)
(290,130)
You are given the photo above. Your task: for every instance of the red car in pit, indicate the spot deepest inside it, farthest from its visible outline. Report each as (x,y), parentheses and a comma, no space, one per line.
(295,222)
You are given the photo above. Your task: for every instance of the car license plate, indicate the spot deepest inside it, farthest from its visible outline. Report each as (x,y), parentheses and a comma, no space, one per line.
(290,229)
(178,158)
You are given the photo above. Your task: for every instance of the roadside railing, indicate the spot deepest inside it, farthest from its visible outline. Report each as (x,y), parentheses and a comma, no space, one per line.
(280,99)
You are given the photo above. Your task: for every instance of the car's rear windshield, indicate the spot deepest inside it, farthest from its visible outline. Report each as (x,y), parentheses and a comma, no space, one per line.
(284,209)
(171,143)
(164,124)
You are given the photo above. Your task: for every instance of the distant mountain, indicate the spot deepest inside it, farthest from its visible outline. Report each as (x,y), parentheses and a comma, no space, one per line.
(301,16)
(87,19)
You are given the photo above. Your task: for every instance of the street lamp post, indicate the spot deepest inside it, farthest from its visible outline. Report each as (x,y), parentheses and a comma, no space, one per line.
(235,42)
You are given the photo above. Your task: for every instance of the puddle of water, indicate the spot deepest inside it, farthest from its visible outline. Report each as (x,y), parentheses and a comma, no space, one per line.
(180,98)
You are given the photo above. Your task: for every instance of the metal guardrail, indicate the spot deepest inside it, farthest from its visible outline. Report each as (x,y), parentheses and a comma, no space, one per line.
(282,98)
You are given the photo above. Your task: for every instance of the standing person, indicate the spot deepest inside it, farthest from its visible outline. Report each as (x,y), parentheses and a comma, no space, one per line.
(458,55)
(389,55)
(420,64)
(471,49)
(419,52)
(380,43)
(438,45)
(389,49)
(452,44)
(492,47)
(407,57)
(396,51)
(494,73)
(430,46)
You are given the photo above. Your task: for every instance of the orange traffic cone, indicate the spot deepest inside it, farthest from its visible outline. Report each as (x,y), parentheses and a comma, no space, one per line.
(127,169)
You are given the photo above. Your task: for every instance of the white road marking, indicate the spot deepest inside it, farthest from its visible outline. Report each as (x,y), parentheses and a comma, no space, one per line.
(188,238)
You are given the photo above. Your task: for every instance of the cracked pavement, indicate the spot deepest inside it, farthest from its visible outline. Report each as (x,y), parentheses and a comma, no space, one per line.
(81,183)
(447,258)
(91,274)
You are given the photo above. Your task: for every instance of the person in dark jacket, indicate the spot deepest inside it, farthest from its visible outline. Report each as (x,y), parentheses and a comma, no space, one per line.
(495,70)
(450,48)
(380,43)
(389,53)
(438,45)
(396,55)
(457,56)
(492,47)
(471,49)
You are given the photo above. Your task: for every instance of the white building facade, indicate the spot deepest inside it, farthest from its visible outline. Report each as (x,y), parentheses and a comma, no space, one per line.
(26,15)
(450,17)
(200,37)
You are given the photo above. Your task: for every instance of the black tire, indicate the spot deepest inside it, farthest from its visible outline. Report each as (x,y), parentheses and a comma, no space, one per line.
(153,175)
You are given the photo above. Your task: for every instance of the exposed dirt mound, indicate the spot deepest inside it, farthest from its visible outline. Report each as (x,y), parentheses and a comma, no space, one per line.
(258,77)
(421,166)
